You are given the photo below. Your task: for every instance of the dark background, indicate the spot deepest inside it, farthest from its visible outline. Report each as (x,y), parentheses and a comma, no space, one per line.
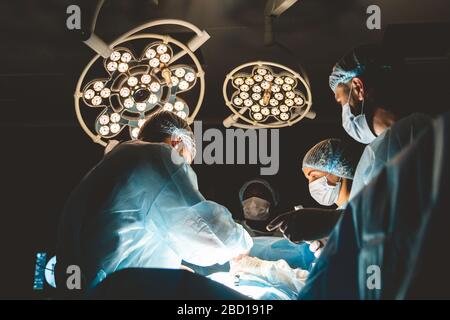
(45,153)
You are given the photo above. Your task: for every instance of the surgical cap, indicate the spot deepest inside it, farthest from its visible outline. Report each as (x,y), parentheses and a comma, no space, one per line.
(332,156)
(258,188)
(354,64)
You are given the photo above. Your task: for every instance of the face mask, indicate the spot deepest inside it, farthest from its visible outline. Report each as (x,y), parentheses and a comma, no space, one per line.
(256,208)
(356,126)
(323,193)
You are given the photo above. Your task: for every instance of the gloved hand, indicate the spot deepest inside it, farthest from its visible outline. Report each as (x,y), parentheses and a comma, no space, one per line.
(306,224)
(317,246)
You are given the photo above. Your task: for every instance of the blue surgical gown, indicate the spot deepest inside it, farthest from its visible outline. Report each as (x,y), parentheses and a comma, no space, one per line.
(138,208)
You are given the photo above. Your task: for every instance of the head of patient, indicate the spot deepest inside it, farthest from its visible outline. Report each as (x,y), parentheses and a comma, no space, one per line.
(167,127)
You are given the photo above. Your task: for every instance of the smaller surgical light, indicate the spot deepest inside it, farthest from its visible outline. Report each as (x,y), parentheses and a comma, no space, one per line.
(290,95)
(299,101)
(287,87)
(179,72)
(273,102)
(284,108)
(256,96)
(261,71)
(275,111)
(161,49)
(237,101)
(258,116)
(289,102)
(128,103)
(146,78)
(284,116)
(265,111)
(135,132)
(244,95)
(279,81)
(155,86)
(150,53)
(164,58)
(154,62)
(255,108)
(183,85)
(182,114)
(175,80)
(257,89)
(265,85)
(244,87)
(258,78)
(141,106)
(189,77)
(249,81)
(153,99)
(248,102)
(289,80)
(268,77)
(279,96)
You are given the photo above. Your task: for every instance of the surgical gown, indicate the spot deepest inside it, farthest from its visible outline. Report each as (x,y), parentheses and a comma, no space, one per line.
(138,208)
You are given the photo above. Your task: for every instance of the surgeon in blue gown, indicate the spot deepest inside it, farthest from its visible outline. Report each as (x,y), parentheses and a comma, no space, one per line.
(140,207)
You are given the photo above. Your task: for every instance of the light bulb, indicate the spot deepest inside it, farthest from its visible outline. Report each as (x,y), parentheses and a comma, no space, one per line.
(249,81)
(155,86)
(175,81)
(132,81)
(289,102)
(89,94)
(153,99)
(181,114)
(265,111)
(237,101)
(135,133)
(279,81)
(98,85)
(265,85)
(105,93)
(111,66)
(244,95)
(104,119)
(115,127)
(289,80)
(255,108)
(275,111)
(141,122)
(124,92)
(141,106)
(96,100)
(179,72)
(183,85)
(104,130)
(299,101)
(123,67)
(115,117)
(279,96)
(273,102)
(248,102)
(189,77)
(244,87)
(257,116)
(128,103)
(284,108)
(161,49)
(290,95)
(154,62)
(275,88)
(178,105)
(126,57)
(268,77)
(287,87)
(146,78)
(164,58)
(261,71)
(256,96)
(150,53)
(257,89)
(115,56)
(168,106)
(284,116)
(258,78)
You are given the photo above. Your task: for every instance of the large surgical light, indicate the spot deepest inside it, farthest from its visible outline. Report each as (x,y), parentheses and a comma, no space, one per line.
(266,95)
(136,83)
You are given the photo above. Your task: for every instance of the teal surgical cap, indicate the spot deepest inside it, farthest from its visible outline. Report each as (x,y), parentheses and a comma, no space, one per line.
(332,156)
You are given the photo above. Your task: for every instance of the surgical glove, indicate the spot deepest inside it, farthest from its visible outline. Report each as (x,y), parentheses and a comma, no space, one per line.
(317,246)
(306,224)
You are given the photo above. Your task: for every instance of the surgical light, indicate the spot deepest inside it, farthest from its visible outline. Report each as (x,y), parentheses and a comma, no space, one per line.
(136,83)
(264,94)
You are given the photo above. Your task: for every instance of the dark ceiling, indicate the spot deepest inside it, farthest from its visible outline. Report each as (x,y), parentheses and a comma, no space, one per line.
(46,153)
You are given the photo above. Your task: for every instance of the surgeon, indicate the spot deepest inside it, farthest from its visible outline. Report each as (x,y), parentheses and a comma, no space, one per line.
(329,167)
(140,207)
(258,200)
(368,87)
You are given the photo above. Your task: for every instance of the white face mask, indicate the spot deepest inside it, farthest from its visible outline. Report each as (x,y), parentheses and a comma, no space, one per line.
(256,208)
(356,126)
(323,193)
